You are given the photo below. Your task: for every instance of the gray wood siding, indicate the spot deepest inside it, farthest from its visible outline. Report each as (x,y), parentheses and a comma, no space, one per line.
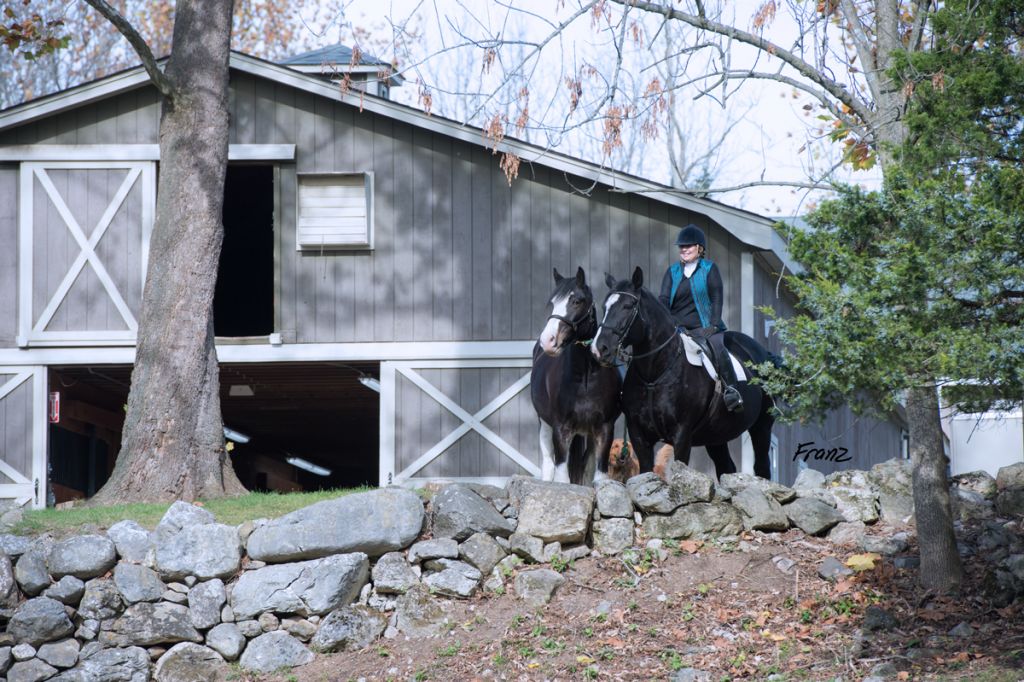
(422,422)
(8,255)
(868,440)
(16,428)
(129,118)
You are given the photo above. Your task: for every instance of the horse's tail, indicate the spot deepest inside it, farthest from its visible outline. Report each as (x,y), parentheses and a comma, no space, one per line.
(577,459)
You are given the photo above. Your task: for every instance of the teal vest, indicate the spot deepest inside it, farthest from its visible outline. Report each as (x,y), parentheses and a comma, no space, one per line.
(699,285)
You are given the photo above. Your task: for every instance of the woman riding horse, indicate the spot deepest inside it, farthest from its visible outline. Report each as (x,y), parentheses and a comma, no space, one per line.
(692,291)
(665,397)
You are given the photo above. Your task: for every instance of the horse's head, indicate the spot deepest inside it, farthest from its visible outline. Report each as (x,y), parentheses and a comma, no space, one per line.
(572,313)
(621,309)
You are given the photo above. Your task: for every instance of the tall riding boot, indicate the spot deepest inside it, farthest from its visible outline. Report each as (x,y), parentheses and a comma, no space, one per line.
(723,363)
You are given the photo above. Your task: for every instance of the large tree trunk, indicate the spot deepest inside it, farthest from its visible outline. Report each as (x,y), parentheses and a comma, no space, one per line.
(173,441)
(940,560)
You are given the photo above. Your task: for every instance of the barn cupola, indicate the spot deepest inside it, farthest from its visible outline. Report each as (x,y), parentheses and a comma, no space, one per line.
(364,71)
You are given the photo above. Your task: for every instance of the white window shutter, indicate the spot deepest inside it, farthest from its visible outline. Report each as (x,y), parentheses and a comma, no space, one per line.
(335,212)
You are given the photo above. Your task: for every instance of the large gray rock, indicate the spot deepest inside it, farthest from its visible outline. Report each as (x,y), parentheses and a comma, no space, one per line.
(133,542)
(812,516)
(272,651)
(227,640)
(83,556)
(205,551)
(188,662)
(437,548)
(181,515)
(979,482)
(538,586)
(1011,476)
(62,654)
(138,583)
(691,484)
(419,614)
(557,513)
(30,571)
(613,499)
(453,581)
(527,547)
(205,601)
(392,574)
(101,600)
(32,670)
(459,512)
(808,479)
(894,481)
(856,497)
(40,620)
(701,521)
(1010,502)
(373,523)
(304,588)
(68,590)
(652,495)
(8,585)
(97,664)
(734,483)
(612,536)
(348,628)
(759,511)
(482,551)
(14,545)
(146,624)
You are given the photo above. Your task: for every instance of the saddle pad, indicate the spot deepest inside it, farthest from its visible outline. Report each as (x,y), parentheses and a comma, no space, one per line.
(696,356)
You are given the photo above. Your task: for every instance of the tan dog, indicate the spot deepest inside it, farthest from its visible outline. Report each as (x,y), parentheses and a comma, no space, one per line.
(622,462)
(665,455)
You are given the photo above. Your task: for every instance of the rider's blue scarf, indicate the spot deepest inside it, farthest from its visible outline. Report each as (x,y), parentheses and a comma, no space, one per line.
(699,285)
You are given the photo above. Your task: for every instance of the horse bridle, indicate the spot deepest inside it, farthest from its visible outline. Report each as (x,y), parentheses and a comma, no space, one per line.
(574,324)
(625,332)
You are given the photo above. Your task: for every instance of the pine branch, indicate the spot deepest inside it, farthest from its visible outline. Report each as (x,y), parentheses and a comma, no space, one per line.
(138,43)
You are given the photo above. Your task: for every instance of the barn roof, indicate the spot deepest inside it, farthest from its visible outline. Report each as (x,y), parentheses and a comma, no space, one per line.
(339,56)
(749,228)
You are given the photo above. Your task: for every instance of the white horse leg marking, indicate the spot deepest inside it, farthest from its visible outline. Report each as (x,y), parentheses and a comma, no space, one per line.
(547,338)
(562,473)
(599,476)
(547,453)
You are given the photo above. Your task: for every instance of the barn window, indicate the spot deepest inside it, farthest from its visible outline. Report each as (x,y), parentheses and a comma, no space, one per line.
(335,212)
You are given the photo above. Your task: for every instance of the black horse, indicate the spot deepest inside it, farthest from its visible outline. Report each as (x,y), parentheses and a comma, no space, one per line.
(666,398)
(576,398)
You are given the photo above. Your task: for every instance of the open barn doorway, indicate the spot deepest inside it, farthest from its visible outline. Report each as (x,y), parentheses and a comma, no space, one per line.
(309,426)
(293,426)
(243,302)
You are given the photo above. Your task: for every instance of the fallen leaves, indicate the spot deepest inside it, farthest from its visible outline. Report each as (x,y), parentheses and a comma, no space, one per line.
(863,562)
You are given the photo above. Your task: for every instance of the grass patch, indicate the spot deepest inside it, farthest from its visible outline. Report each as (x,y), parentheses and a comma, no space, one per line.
(228,510)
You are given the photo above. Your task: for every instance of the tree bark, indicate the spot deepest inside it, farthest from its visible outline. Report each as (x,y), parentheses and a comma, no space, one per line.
(173,442)
(940,560)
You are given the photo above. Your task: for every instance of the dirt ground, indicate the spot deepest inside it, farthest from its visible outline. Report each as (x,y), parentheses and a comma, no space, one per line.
(725,609)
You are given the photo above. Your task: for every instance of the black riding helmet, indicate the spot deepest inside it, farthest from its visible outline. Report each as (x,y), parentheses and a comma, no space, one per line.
(691,234)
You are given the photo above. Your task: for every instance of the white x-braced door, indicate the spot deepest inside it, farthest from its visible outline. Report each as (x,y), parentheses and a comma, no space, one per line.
(457,420)
(84,232)
(23,435)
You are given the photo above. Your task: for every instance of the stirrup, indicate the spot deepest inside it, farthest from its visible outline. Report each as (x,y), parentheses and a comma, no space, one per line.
(732,399)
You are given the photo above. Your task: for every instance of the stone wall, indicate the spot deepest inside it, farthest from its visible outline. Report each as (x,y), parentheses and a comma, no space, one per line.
(183,600)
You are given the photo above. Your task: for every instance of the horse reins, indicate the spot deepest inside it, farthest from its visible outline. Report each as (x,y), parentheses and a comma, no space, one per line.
(629,325)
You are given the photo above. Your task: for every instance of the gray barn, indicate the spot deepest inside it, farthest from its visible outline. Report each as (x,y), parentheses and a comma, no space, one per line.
(380,290)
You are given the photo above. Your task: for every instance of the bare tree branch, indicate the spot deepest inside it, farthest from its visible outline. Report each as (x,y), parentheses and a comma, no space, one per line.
(138,43)
(805,69)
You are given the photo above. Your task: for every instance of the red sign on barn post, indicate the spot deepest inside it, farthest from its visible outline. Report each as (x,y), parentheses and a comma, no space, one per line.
(54,409)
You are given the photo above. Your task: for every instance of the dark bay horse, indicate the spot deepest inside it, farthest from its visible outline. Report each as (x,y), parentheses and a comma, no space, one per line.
(666,398)
(576,398)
